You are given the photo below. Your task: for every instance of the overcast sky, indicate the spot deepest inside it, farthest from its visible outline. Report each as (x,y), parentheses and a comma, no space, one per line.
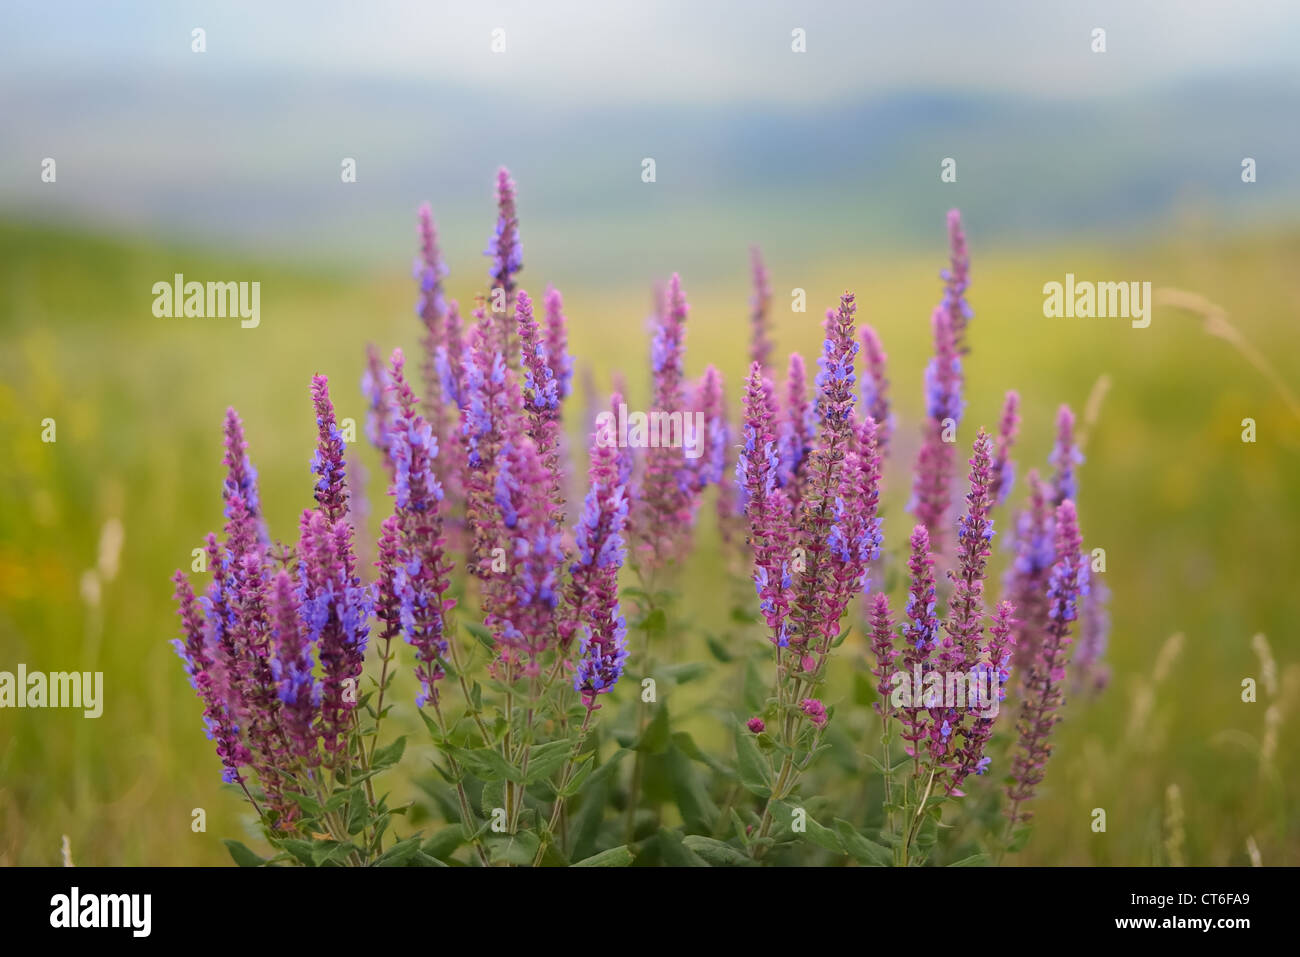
(672,50)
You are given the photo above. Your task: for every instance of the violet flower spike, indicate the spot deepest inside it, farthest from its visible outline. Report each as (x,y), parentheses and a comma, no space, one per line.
(221,724)
(812,617)
(956,281)
(883,653)
(414,572)
(798,427)
(1043,696)
(430,270)
(507,254)
(875,388)
(766,507)
(292,669)
(336,611)
(1065,457)
(1026,580)
(374,386)
(557,343)
(711,403)
(328,462)
(931,487)
(995,671)
(964,627)
(920,636)
(541,398)
(669,495)
(245,524)
(592,595)
(1004,470)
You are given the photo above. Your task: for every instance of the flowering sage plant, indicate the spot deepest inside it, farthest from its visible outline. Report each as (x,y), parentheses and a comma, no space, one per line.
(534,602)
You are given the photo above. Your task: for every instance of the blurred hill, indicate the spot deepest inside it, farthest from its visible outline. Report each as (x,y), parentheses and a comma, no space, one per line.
(253,161)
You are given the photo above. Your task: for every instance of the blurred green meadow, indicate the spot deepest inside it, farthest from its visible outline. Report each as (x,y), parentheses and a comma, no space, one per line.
(1199,528)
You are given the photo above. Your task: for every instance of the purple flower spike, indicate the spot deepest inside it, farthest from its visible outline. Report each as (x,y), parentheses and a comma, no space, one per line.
(883,652)
(931,487)
(974,537)
(822,507)
(798,427)
(292,669)
(1043,687)
(328,462)
(413,569)
(1004,470)
(493,416)
(760,307)
(964,627)
(995,667)
(195,651)
(766,507)
(507,252)
(1026,582)
(875,389)
(336,611)
(592,595)
(521,603)
(920,636)
(557,343)
(1091,672)
(855,537)
(711,464)
(505,247)
(541,398)
(1065,456)
(669,493)
(956,281)
(245,526)
(374,386)
(430,270)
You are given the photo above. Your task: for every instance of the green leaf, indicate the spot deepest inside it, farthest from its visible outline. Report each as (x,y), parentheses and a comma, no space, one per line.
(586,764)
(444,843)
(400,853)
(975,860)
(545,759)
(1019,838)
(754,772)
(821,835)
(434,731)
(586,824)
(657,734)
(300,849)
(718,649)
(330,852)
(698,810)
(519,848)
(242,855)
(358,812)
(386,757)
(860,849)
(485,764)
(481,633)
(674,853)
(309,805)
(615,857)
(653,624)
(716,853)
